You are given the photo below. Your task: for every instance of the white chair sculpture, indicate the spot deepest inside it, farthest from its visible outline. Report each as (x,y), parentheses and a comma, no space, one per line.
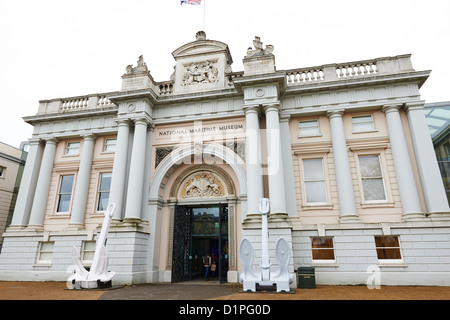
(98,275)
(252,280)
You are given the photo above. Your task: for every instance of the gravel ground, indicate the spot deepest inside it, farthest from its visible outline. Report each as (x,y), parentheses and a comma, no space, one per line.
(186,291)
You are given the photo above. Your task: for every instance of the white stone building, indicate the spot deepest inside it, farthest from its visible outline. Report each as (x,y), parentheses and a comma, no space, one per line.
(342,150)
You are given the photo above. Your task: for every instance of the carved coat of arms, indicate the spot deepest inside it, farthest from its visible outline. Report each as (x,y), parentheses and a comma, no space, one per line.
(204,72)
(203,185)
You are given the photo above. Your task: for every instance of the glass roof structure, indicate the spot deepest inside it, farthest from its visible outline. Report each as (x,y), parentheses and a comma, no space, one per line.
(438,117)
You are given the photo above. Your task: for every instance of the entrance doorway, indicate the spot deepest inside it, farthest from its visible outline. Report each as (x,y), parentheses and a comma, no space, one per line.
(199,230)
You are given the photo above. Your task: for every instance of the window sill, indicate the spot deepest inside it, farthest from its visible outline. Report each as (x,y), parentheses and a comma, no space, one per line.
(377,205)
(325,263)
(395,264)
(309,135)
(64,215)
(317,207)
(43,265)
(70,155)
(365,131)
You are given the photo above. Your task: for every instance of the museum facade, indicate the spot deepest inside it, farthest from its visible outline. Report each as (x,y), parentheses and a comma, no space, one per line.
(341,150)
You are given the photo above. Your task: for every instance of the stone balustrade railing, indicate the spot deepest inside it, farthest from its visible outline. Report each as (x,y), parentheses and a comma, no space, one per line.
(94,101)
(294,77)
(349,70)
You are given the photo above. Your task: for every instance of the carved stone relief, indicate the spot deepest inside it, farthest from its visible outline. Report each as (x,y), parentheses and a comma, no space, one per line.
(201,72)
(202,185)
(202,181)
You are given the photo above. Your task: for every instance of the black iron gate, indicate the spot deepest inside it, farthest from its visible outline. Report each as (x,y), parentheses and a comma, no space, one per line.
(181,244)
(223,243)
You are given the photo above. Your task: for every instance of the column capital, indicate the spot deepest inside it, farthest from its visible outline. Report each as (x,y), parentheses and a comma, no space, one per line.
(88,136)
(35,141)
(51,140)
(285,117)
(141,120)
(333,113)
(251,109)
(391,108)
(412,106)
(122,122)
(271,107)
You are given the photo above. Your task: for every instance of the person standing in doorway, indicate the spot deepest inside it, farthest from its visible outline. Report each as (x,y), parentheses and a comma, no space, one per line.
(213,264)
(207,265)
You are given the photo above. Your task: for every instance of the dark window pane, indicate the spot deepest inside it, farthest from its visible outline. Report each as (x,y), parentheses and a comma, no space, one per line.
(66,184)
(64,203)
(322,242)
(389,253)
(387,241)
(323,254)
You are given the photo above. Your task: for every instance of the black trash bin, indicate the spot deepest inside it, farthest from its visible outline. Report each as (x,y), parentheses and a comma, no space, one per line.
(306,278)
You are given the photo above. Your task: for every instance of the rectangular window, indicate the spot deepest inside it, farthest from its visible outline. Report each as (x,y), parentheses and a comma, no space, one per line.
(388,248)
(362,123)
(45,252)
(372,178)
(322,248)
(314,179)
(65,193)
(309,128)
(2,172)
(87,254)
(72,148)
(110,145)
(103,191)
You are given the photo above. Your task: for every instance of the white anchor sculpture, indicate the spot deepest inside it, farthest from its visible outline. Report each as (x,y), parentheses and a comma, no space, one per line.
(98,273)
(251,279)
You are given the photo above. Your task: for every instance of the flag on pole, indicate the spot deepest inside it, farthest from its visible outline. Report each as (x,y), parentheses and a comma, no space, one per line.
(194,2)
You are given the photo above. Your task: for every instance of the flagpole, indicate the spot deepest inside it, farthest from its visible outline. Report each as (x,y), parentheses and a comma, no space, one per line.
(204,10)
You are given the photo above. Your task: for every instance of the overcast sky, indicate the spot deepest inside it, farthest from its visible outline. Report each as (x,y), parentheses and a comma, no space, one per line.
(61,48)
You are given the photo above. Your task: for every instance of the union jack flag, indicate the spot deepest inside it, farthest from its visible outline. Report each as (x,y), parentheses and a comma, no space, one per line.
(194,2)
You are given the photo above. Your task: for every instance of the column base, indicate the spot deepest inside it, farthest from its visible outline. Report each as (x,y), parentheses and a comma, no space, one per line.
(35,228)
(440,216)
(130,224)
(252,218)
(414,216)
(279,220)
(350,218)
(75,227)
(15,228)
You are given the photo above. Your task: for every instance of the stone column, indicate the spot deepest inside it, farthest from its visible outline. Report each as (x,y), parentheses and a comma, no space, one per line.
(288,166)
(342,167)
(43,184)
(277,191)
(117,191)
(402,163)
(82,184)
(28,185)
(430,175)
(255,188)
(136,176)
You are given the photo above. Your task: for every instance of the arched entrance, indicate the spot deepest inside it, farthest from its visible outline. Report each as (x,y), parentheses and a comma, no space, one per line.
(203,223)
(201,192)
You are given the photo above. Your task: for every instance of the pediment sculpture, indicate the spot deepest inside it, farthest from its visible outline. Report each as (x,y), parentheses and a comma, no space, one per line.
(202,185)
(140,67)
(259,50)
(202,72)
